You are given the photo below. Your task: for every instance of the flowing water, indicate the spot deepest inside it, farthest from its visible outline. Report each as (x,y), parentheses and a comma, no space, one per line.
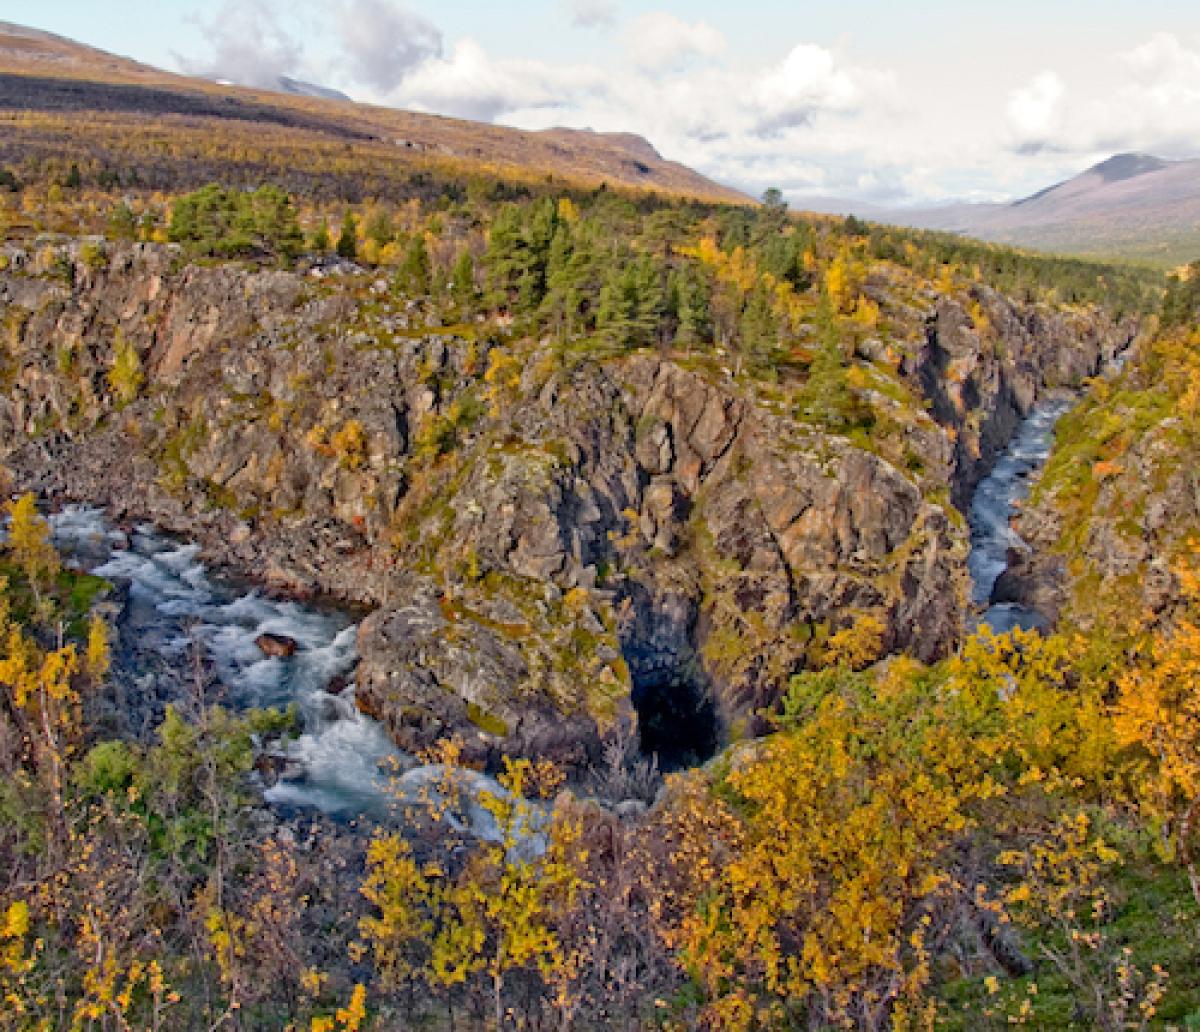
(342,763)
(992,508)
(176,608)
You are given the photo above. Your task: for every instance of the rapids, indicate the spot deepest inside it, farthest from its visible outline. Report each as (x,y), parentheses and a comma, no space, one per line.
(342,763)
(992,507)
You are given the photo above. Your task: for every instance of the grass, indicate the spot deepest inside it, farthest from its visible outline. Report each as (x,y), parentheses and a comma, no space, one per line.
(74,594)
(1154,916)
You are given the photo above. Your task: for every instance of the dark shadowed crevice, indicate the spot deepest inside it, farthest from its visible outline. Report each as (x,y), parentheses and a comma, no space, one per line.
(677,720)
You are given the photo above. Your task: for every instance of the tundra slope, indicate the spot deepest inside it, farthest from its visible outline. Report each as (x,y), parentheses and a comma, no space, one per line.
(549,540)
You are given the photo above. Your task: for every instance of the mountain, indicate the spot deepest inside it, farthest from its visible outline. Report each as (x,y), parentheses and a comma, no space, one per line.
(309,89)
(60,79)
(1134,206)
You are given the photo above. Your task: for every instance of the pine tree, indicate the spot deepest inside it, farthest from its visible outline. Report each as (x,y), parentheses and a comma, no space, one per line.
(380,229)
(462,280)
(320,239)
(122,223)
(688,303)
(347,242)
(505,258)
(414,269)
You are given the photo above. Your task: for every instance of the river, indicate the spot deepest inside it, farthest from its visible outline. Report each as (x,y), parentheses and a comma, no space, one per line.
(992,508)
(342,763)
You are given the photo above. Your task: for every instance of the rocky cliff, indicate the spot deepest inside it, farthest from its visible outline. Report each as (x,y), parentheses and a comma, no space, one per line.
(549,540)
(1118,505)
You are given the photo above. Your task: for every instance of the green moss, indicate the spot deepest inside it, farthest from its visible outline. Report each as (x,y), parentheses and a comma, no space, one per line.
(485,721)
(74,595)
(173,460)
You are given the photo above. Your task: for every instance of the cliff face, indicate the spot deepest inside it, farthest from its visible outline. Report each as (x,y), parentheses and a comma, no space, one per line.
(1119,502)
(549,540)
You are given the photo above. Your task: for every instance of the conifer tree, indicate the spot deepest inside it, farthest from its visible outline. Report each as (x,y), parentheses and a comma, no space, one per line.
(347,242)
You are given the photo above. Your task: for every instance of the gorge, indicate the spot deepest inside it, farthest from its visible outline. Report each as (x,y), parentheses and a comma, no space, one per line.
(342,762)
(591,538)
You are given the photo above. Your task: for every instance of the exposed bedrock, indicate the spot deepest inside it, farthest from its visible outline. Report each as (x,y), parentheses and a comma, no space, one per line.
(549,547)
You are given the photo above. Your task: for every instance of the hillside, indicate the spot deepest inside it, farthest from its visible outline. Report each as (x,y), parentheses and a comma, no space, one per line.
(1132,206)
(47,82)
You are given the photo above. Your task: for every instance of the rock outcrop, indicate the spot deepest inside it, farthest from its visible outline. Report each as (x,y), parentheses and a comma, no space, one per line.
(1117,507)
(549,543)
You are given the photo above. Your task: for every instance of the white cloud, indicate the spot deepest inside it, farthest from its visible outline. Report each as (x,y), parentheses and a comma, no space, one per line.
(1159,107)
(590,14)
(1168,67)
(249,45)
(1034,111)
(807,82)
(810,118)
(471,84)
(1148,100)
(660,42)
(382,42)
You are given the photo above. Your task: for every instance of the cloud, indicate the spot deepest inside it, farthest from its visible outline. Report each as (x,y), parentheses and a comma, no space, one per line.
(807,82)
(382,42)
(743,108)
(591,14)
(1035,111)
(249,46)
(471,84)
(1169,68)
(809,118)
(785,122)
(1159,107)
(1149,100)
(661,42)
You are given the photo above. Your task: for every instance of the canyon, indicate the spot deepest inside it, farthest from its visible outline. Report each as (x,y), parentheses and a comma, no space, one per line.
(548,547)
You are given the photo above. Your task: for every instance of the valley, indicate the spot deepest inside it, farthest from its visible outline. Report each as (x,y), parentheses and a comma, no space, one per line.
(460,577)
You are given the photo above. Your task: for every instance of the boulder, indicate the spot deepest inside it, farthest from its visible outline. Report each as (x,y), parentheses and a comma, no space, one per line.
(276,645)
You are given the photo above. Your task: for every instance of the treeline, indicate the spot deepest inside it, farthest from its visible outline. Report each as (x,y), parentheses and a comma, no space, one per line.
(827,305)
(234,223)
(605,269)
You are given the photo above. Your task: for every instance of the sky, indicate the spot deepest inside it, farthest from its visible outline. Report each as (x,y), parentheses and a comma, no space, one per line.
(887,103)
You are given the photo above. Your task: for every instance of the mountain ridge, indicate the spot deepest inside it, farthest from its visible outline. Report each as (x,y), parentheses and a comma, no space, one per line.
(32,61)
(1131,206)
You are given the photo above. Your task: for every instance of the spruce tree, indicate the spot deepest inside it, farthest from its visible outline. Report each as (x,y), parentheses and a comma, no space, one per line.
(320,239)
(347,242)
(462,280)
(414,269)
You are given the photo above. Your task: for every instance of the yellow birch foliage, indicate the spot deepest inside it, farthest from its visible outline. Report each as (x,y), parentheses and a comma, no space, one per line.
(1158,714)
(739,269)
(29,543)
(493,917)
(800,883)
(805,899)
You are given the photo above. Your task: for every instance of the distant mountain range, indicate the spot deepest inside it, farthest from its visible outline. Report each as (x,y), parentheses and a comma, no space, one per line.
(1133,206)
